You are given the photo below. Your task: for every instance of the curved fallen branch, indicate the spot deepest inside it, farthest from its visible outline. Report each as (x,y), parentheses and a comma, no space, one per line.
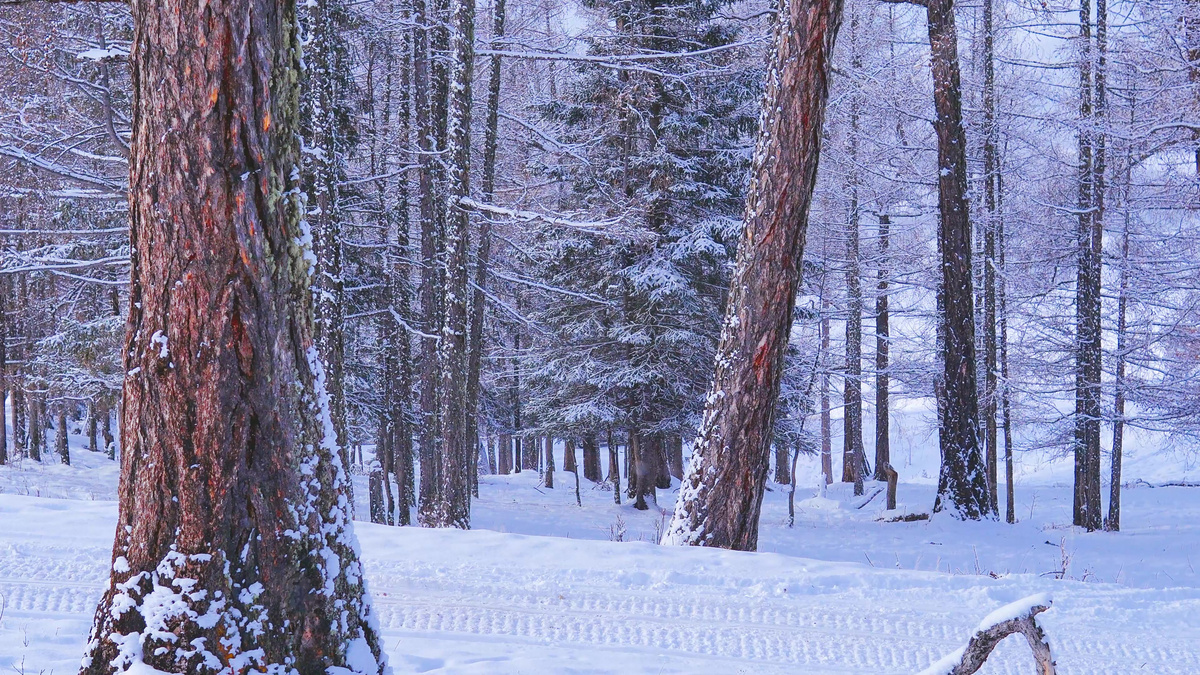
(1017,617)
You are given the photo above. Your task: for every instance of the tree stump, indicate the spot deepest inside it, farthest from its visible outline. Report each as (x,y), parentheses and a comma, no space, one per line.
(892,479)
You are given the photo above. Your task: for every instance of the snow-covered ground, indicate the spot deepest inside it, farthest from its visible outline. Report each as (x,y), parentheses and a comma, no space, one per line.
(540,586)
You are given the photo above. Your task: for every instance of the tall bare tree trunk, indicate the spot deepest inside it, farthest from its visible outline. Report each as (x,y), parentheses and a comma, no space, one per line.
(4,376)
(853,455)
(1089,345)
(515,397)
(483,255)
(453,496)
(20,439)
(721,495)
(37,427)
(614,466)
(548,479)
(324,122)
(61,446)
(962,481)
(883,442)
(991,218)
(826,421)
(428,89)
(110,443)
(1112,522)
(399,272)
(1010,513)
(233,493)
(93,429)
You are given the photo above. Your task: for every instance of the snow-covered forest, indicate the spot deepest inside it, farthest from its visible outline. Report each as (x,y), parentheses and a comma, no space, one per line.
(461,336)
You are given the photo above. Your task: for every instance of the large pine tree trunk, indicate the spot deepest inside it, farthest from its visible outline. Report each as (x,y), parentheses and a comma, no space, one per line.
(234,546)
(962,481)
(721,495)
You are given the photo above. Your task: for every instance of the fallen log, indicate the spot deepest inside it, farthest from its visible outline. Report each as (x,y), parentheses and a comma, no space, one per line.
(1018,617)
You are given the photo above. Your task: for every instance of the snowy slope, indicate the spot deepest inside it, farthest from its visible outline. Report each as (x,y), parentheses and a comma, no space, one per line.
(839,592)
(487,602)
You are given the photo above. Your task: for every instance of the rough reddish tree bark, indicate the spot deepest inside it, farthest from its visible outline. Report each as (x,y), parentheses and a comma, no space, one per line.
(234,546)
(721,495)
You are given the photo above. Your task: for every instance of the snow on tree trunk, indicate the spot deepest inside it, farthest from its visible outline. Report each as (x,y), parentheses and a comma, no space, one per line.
(235,548)
(325,127)
(429,93)
(452,498)
(853,457)
(962,480)
(721,494)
